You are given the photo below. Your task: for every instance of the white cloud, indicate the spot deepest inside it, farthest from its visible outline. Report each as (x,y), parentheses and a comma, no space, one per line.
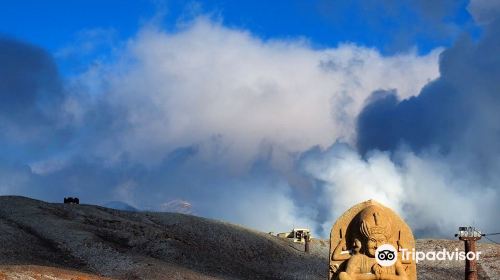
(422,189)
(233,93)
(237,97)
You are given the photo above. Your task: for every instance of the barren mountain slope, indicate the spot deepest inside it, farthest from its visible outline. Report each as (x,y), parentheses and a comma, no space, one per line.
(38,238)
(131,245)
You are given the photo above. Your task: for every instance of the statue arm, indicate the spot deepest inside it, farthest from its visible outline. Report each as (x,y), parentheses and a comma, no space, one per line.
(351,270)
(337,253)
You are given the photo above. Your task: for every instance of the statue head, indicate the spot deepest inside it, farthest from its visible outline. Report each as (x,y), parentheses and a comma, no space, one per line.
(375,226)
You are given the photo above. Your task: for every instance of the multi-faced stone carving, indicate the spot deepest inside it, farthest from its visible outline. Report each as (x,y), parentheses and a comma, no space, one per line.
(355,238)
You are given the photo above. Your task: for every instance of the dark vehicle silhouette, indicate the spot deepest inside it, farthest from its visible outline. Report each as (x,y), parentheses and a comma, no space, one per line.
(71,200)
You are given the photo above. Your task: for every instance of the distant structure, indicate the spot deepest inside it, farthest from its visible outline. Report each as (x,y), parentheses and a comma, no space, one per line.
(71,200)
(297,235)
(469,235)
(357,234)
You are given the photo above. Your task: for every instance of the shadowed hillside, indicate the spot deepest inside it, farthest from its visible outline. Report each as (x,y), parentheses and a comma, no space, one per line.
(38,238)
(131,245)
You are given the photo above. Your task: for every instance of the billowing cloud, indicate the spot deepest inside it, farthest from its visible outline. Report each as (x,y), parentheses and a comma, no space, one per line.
(456,113)
(261,133)
(232,94)
(215,117)
(455,118)
(424,189)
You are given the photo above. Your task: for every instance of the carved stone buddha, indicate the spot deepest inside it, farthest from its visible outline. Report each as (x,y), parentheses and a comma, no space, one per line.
(355,238)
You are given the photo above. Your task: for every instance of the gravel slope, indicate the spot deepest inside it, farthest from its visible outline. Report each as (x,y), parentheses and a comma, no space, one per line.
(131,245)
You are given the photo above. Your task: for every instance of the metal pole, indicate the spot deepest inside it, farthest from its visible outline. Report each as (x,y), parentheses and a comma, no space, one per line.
(469,235)
(307,239)
(470,265)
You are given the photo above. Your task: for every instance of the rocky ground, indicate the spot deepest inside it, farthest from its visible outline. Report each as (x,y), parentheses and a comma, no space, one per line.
(488,265)
(41,240)
(34,272)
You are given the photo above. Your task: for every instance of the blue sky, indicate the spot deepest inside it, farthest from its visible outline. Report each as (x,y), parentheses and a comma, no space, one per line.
(390,26)
(214,107)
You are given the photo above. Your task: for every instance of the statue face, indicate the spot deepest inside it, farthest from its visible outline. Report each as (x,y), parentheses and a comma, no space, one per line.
(374,242)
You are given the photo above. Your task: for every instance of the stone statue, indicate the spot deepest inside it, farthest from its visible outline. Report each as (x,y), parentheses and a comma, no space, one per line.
(355,238)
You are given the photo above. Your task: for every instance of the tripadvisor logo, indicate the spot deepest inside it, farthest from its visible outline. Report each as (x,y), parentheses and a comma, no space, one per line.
(441,255)
(386,255)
